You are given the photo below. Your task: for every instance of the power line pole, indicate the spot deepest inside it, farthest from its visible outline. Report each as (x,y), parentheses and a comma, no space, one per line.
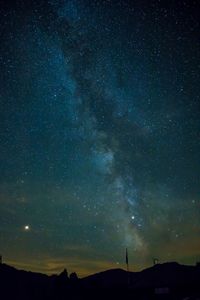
(127,268)
(127,265)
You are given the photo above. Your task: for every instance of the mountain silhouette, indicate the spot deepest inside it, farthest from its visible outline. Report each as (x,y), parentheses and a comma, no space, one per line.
(162,281)
(108,279)
(168,274)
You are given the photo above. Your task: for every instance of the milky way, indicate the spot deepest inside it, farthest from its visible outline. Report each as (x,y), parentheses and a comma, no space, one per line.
(99,134)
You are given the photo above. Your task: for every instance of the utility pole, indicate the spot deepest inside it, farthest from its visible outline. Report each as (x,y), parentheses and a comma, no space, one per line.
(127,265)
(127,268)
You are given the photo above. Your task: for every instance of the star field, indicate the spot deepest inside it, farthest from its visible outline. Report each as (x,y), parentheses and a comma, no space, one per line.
(99,135)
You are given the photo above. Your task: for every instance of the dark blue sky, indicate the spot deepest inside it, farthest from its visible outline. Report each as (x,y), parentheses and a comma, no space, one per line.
(99,133)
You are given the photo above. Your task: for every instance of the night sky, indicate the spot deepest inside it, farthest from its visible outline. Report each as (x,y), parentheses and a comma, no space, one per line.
(100,133)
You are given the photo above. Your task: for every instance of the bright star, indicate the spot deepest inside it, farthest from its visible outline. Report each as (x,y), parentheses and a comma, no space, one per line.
(26,227)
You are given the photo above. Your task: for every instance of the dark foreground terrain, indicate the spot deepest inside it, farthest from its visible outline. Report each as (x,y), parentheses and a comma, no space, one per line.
(163,281)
